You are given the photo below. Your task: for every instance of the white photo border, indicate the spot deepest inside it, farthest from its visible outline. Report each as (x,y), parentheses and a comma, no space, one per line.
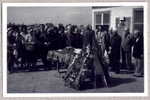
(4,50)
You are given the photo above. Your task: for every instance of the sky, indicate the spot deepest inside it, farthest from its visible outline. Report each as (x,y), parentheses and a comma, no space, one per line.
(65,15)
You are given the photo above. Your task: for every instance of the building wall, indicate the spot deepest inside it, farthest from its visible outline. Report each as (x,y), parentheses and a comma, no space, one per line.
(125,11)
(121,12)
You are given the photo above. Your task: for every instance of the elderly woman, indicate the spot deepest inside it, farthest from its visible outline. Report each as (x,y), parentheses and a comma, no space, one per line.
(115,51)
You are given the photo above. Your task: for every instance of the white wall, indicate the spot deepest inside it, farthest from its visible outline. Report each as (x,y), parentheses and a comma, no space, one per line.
(124,11)
(121,12)
(65,15)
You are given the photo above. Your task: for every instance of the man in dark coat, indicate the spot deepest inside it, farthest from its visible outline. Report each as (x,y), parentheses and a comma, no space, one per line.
(107,41)
(138,53)
(76,38)
(115,52)
(10,52)
(87,36)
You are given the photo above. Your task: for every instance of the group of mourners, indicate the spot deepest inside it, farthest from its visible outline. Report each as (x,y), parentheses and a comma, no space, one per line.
(124,50)
(34,41)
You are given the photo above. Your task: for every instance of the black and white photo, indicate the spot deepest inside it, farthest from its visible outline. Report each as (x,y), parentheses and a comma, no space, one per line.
(74,48)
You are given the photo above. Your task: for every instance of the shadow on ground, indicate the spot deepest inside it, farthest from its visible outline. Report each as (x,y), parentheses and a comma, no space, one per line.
(119,81)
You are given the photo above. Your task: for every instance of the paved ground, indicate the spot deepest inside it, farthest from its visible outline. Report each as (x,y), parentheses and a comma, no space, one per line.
(50,82)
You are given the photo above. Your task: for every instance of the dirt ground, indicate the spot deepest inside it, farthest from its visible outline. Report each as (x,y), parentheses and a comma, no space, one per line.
(51,82)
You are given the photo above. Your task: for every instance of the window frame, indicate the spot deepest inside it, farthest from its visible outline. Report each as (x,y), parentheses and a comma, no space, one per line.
(102,18)
(137,23)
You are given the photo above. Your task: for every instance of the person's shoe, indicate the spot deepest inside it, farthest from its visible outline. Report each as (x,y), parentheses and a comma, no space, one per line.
(137,75)
(117,72)
(10,72)
(130,71)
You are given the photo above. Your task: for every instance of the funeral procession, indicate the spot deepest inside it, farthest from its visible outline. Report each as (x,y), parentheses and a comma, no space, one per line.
(97,49)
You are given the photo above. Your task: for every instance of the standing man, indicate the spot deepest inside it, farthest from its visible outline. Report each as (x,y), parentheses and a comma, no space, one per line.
(101,69)
(126,50)
(138,53)
(68,34)
(99,38)
(115,51)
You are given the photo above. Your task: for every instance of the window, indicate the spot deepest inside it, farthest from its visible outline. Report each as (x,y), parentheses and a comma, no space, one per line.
(102,18)
(98,18)
(138,18)
(106,18)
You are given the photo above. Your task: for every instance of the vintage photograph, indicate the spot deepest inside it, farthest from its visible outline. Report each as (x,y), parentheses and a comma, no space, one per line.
(75,49)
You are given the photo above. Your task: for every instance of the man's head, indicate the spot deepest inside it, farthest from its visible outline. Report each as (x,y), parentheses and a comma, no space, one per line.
(105,31)
(76,30)
(136,33)
(114,31)
(99,28)
(69,28)
(89,27)
(126,29)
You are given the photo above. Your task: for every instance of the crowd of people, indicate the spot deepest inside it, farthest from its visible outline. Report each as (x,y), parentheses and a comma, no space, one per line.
(115,50)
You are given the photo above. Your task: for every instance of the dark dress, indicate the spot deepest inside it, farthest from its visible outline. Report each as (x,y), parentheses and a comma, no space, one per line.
(115,52)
